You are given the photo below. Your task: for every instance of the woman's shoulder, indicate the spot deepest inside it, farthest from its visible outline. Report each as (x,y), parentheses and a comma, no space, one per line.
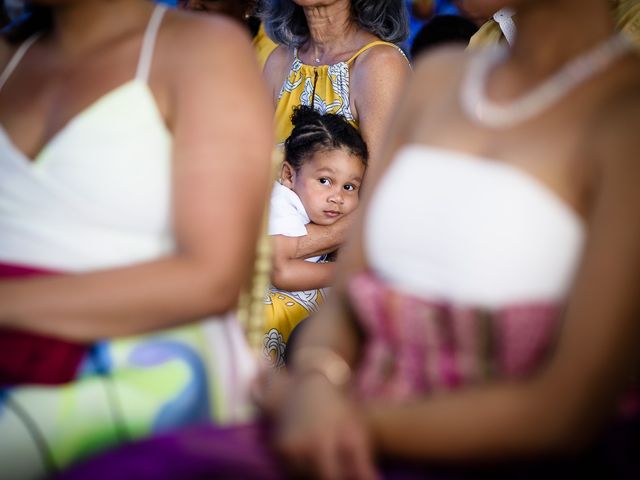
(379,55)
(380,64)
(276,68)
(279,61)
(190,34)
(442,62)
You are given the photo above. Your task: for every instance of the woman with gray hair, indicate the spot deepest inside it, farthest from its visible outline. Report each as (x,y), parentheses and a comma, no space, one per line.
(335,56)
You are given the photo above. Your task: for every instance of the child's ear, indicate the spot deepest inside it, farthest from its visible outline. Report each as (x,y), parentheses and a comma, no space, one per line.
(287,175)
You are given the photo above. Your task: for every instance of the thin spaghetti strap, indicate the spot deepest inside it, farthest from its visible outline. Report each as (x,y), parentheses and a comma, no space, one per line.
(148,43)
(375,44)
(15,60)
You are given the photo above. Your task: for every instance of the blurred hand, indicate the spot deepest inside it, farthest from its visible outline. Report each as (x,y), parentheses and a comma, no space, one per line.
(319,432)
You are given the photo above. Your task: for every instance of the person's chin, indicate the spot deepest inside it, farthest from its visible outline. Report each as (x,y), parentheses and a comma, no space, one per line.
(326,220)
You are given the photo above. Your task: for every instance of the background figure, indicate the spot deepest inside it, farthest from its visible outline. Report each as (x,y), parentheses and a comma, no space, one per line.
(442,30)
(120,212)
(626,14)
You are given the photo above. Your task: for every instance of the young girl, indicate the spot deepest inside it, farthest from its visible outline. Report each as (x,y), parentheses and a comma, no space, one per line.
(325,161)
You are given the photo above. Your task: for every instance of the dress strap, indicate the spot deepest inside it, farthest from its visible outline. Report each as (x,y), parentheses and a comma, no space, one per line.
(148,43)
(15,59)
(375,44)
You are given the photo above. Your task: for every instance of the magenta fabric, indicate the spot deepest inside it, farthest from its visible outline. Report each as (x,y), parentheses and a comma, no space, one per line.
(31,358)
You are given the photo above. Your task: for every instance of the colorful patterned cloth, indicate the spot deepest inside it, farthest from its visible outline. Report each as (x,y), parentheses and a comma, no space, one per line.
(126,389)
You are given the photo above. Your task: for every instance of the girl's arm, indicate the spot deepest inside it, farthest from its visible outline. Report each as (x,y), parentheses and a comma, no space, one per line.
(294,274)
(322,239)
(220,119)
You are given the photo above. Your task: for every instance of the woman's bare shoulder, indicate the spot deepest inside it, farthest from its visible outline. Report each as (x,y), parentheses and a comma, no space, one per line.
(279,59)
(441,64)
(385,59)
(192,37)
(278,63)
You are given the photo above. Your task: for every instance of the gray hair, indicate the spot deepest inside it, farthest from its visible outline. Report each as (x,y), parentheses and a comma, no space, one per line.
(285,22)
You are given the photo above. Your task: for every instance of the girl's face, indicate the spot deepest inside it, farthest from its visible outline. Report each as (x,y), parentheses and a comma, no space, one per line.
(328,184)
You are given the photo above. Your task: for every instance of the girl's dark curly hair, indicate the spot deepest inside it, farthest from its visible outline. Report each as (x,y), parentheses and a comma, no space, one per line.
(285,22)
(314,132)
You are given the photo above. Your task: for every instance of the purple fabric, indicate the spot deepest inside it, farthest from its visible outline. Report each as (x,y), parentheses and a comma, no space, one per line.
(242,453)
(198,452)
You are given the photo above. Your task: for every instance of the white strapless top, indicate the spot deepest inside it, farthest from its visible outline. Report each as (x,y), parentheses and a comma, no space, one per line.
(448,226)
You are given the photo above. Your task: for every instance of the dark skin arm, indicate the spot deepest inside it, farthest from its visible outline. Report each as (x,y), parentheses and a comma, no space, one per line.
(293,274)
(322,239)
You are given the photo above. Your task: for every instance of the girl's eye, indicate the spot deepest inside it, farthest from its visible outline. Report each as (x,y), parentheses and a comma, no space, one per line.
(349,187)
(324,181)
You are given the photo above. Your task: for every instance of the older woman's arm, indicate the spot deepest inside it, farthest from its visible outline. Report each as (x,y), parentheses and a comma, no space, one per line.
(221,123)
(379,78)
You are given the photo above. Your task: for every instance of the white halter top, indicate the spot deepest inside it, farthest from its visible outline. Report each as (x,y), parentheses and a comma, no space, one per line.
(451,227)
(98,194)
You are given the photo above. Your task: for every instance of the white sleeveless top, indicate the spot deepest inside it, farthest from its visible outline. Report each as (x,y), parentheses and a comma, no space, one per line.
(98,194)
(474,231)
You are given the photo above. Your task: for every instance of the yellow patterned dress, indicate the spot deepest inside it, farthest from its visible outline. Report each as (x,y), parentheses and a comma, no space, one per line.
(325,87)
(283,309)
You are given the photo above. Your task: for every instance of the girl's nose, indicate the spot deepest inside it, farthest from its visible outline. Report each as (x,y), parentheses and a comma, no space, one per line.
(336,197)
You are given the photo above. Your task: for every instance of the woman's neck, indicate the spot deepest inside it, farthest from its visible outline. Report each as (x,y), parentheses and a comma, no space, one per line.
(331,30)
(79,26)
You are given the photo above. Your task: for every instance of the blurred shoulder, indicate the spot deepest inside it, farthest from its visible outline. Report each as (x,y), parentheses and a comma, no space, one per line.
(443,61)
(438,71)
(195,34)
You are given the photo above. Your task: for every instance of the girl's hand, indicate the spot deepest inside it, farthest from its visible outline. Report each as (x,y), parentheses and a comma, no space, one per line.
(320,432)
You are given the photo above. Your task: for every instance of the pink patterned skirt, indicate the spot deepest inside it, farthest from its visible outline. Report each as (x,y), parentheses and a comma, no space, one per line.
(416,346)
